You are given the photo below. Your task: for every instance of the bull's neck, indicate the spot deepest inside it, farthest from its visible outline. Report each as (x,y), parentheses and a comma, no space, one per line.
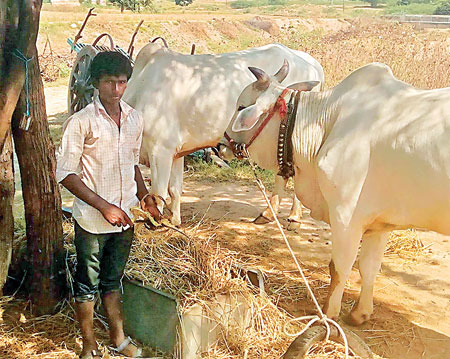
(316,114)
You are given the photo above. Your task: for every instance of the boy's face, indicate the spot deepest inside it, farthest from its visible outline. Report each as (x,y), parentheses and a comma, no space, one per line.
(111,88)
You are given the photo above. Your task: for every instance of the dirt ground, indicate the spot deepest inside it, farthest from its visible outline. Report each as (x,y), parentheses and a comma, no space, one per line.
(412,298)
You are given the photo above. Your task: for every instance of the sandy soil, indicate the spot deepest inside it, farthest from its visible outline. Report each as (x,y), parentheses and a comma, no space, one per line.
(412,299)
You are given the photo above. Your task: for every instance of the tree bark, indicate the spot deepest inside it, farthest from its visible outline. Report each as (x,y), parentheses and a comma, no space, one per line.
(6,214)
(43,216)
(16,31)
(8,25)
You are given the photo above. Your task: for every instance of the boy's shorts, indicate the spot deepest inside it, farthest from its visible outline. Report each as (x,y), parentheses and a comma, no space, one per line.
(101,260)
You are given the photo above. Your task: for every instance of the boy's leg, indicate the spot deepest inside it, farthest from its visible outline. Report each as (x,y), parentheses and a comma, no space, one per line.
(89,249)
(85,316)
(112,302)
(115,257)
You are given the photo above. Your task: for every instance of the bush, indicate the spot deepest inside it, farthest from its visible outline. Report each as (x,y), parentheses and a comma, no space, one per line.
(243,4)
(133,5)
(183,2)
(374,3)
(443,9)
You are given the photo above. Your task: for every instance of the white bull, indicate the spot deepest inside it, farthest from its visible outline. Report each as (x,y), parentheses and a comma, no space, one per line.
(187,102)
(371,155)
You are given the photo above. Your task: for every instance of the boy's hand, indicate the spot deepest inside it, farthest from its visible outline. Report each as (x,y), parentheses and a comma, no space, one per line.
(149,204)
(116,216)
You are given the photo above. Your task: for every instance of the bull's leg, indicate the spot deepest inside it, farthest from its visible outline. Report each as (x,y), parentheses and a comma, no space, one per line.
(296,214)
(345,248)
(266,216)
(160,167)
(372,250)
(175,188)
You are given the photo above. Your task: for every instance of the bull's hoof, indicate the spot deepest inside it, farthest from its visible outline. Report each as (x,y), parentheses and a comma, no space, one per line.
(293,225)
(355,319)
(303,343)
(261,219)
(175,221)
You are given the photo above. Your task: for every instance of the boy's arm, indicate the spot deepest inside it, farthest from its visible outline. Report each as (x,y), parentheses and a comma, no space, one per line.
(141,188)
(149,202)
(113,214)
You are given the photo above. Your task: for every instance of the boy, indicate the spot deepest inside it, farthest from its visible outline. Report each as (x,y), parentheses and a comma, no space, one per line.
(97,162)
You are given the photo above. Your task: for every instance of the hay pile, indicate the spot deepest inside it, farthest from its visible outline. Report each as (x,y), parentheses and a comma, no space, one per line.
(405,244)
(195,270)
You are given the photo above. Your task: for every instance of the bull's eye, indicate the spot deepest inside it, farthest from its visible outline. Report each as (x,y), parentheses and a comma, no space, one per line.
(240,108)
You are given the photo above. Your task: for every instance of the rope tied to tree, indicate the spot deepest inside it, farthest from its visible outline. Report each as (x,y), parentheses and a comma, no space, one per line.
(26,120)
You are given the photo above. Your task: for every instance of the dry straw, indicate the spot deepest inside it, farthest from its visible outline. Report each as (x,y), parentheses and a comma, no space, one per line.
(195,270)
(405,244)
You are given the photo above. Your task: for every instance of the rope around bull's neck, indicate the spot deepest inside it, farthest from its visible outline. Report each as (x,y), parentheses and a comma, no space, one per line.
(322,318)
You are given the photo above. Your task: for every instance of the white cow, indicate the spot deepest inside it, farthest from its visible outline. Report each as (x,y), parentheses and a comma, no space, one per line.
(371,155)
(187,102)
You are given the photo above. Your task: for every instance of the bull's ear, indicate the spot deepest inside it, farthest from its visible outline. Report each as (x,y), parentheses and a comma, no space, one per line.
(282,72)
(247,118)
(304,86)
(262,79)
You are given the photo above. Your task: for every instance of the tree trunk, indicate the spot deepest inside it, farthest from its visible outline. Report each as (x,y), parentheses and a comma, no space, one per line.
(6,214)
(43,216)
(15,30)
(10,86)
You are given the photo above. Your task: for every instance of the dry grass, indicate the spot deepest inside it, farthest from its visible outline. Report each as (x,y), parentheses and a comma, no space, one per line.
(405,244)
(420,58)
(196,271)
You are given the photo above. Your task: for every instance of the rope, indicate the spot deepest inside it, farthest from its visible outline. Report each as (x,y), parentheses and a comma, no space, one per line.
(19,54)
(322,318)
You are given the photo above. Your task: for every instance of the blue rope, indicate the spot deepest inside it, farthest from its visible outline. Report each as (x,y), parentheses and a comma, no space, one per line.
(19,54)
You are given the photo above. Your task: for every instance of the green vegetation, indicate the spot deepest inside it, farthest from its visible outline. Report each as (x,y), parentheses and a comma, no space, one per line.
(238,171)
(413,7)
(242,4)
(443,8)
(183,2)
(133,5)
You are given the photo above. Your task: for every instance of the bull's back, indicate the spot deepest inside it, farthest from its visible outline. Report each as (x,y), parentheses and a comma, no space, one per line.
(409,169)
(392,140)
(193,97)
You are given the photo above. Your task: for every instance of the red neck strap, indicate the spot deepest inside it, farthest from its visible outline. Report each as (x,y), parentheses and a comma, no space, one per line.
(279,106)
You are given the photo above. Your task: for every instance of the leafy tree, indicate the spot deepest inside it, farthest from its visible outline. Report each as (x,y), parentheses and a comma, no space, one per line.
(183,2)
(443,9)
(374,3)
(133,5)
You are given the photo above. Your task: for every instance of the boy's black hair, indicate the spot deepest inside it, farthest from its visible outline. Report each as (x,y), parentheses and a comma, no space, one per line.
(110,63)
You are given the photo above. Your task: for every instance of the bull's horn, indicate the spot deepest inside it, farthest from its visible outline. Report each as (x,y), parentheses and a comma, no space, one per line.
(282,72)
(262,78)
(304,86)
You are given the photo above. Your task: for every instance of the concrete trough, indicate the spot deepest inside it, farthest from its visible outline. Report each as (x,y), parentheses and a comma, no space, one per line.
(152,317)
